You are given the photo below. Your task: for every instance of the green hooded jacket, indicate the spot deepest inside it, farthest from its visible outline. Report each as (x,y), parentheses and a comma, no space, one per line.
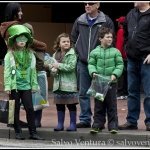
(66,80)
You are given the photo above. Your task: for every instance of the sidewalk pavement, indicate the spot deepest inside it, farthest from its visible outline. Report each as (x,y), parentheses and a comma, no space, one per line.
(49,121)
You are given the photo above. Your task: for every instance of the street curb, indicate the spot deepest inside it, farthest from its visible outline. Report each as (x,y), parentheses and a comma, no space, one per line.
(83,137)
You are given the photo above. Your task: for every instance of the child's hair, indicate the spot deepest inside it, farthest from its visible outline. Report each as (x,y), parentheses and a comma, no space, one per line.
(103,30)
(11,11)
(57,42)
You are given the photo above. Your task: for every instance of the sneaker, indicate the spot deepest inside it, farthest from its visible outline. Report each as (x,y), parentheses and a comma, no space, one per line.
(113,131)
(125,97)
(120,98)
(127,126)
(83,125)
(95,130)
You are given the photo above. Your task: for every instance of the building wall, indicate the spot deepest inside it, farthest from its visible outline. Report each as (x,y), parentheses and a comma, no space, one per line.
(37,12)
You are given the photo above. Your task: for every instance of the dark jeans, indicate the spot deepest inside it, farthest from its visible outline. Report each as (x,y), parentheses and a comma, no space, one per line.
(26,98)
(109,105)
(122,89)
(84,82)
(138,73)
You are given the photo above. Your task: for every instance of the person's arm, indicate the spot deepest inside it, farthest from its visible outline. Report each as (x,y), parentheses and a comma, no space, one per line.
(74,32)
(92,64)
(34,83)
(7,73)
(69,67)
(119,65)
(125,33)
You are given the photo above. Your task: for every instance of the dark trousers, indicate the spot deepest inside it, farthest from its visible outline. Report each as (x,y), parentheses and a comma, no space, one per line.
(109,105)
(26,97)
(62,107)
(123,82)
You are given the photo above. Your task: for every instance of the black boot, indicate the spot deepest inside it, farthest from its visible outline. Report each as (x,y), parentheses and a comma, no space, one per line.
(33,134)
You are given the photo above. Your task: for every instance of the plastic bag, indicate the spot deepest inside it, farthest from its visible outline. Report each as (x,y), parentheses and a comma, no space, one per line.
(48,60)
(7,110)
(39,102)
(99,87)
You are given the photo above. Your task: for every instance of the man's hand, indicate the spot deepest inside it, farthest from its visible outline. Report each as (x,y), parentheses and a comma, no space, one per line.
(147,60)
(113,77)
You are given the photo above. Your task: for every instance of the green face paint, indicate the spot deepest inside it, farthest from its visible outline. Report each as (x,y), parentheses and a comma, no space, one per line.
(21,38)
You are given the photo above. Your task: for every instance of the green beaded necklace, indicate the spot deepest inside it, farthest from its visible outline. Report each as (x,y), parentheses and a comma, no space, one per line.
(24,62)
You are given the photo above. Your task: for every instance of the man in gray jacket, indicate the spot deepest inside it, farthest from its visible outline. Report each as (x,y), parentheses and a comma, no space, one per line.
(85,38)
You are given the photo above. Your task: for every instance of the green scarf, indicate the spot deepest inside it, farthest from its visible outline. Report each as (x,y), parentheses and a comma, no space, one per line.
(22,62)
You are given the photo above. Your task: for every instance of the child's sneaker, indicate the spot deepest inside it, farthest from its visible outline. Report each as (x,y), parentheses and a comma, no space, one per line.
(113,131)
(95,130)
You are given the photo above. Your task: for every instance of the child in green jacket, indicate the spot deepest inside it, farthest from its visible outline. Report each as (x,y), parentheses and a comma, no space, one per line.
(20,78)
(107,61)
(65,81)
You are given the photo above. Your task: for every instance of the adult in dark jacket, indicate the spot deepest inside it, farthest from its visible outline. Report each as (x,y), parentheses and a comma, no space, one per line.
(138,53)
(13,15)
(85,38)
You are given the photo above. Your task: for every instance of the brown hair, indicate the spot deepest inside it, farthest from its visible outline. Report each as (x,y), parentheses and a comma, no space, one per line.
(103,30)
(57,42)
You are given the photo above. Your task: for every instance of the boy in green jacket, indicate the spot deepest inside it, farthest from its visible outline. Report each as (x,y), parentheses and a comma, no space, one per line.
(107,61)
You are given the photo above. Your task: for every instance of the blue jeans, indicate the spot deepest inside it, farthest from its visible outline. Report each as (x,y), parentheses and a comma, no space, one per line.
(84,82)
(138,73)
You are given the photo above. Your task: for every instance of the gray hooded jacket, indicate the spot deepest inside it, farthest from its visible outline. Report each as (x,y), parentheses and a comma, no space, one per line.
(84,37)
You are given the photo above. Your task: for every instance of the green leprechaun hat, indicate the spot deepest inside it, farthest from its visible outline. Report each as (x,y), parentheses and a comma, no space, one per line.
(16,30)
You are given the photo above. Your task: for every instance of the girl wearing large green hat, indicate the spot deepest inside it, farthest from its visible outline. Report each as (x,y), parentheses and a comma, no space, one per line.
(20,77)
(17,30)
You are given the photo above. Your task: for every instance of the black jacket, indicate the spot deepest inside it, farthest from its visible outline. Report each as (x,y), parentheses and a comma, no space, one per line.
(84,37)
(138,32)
